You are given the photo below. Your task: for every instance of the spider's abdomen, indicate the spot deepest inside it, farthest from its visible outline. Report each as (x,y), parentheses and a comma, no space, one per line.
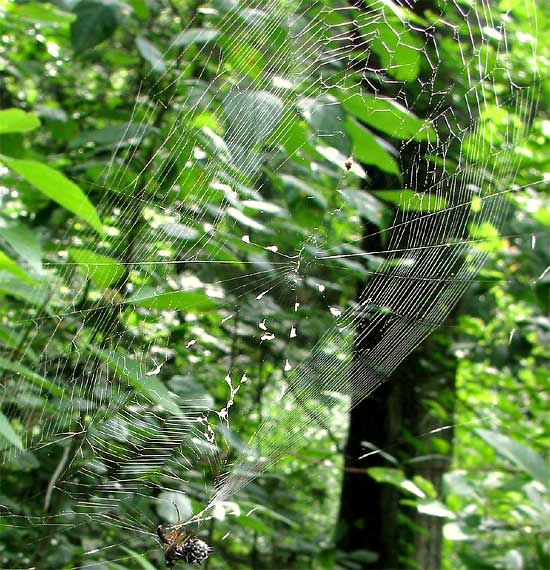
(193,551)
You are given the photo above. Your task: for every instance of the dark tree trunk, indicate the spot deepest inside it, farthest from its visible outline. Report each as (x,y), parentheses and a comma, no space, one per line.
(396,419)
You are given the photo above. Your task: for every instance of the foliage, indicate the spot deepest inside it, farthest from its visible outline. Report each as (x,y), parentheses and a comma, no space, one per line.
(81,82)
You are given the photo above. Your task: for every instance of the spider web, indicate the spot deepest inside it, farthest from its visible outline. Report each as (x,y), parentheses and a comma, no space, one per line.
(136,441)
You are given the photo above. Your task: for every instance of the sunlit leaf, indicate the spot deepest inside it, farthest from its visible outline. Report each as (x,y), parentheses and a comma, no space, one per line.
(365,203)
(141,9)
(324,115)
(41,12)
(388,116)
(57,187)
(246,220)
(369,149)
(151,53)
(251,116)
(17,121)
(411,201)
(166,506)
(193,301)
(10,265)
(525,457)
(180,231)
(195,36)
(435,509)
(101,269)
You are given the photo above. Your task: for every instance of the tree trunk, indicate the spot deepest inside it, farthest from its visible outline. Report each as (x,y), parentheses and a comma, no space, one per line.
(397,419)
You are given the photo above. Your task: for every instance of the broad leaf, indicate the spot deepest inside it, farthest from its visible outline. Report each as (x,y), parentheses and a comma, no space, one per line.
(412,201)
(31,376)
(166,507)
(369,149)
(365,203)
(95,22)
(101,269)
(251,116)
(388,116)
(246,220)
(325,115)
(8,433)
(194,301)
(522,455)
(151,53)
(23,241)
(57,187)
(195,36)
(399,49)
(17,121)
(141,9)
(179,231)
(41,12)
(10,265)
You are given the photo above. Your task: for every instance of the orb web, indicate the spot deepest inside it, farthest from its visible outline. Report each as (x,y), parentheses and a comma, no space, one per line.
(282,105)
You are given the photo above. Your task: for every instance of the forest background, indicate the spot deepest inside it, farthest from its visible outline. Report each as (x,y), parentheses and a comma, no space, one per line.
(458,474)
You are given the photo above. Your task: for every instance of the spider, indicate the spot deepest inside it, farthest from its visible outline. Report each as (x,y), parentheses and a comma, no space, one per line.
(178,545)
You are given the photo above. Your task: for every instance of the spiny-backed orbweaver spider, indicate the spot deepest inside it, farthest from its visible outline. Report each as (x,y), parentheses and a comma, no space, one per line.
(178,545)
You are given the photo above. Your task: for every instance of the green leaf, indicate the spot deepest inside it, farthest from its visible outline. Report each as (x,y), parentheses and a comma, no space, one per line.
(135,374)
(151,53)
(324,115)
(388,116)
(17,121)
(369,149)
(28,291)
(411,201)
(397,478)
(522,455)
(95,22)
(57,187)
(435,509)
(246,220)
(387,475)
(139,558)
(41,12)
(192,392)
(166,506)
(31,376)
(23,241)
(263,207)
(251,116)
(195,36)
(10,265)
(101,269)
(8,433)
(194,301)
(141,9)
(365,203)
(397,47)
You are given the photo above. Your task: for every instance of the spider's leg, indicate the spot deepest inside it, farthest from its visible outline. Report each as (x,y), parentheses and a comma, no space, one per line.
(177,511)
(161,535)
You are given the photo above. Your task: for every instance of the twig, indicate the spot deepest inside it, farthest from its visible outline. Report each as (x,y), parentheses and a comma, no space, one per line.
(55,476)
